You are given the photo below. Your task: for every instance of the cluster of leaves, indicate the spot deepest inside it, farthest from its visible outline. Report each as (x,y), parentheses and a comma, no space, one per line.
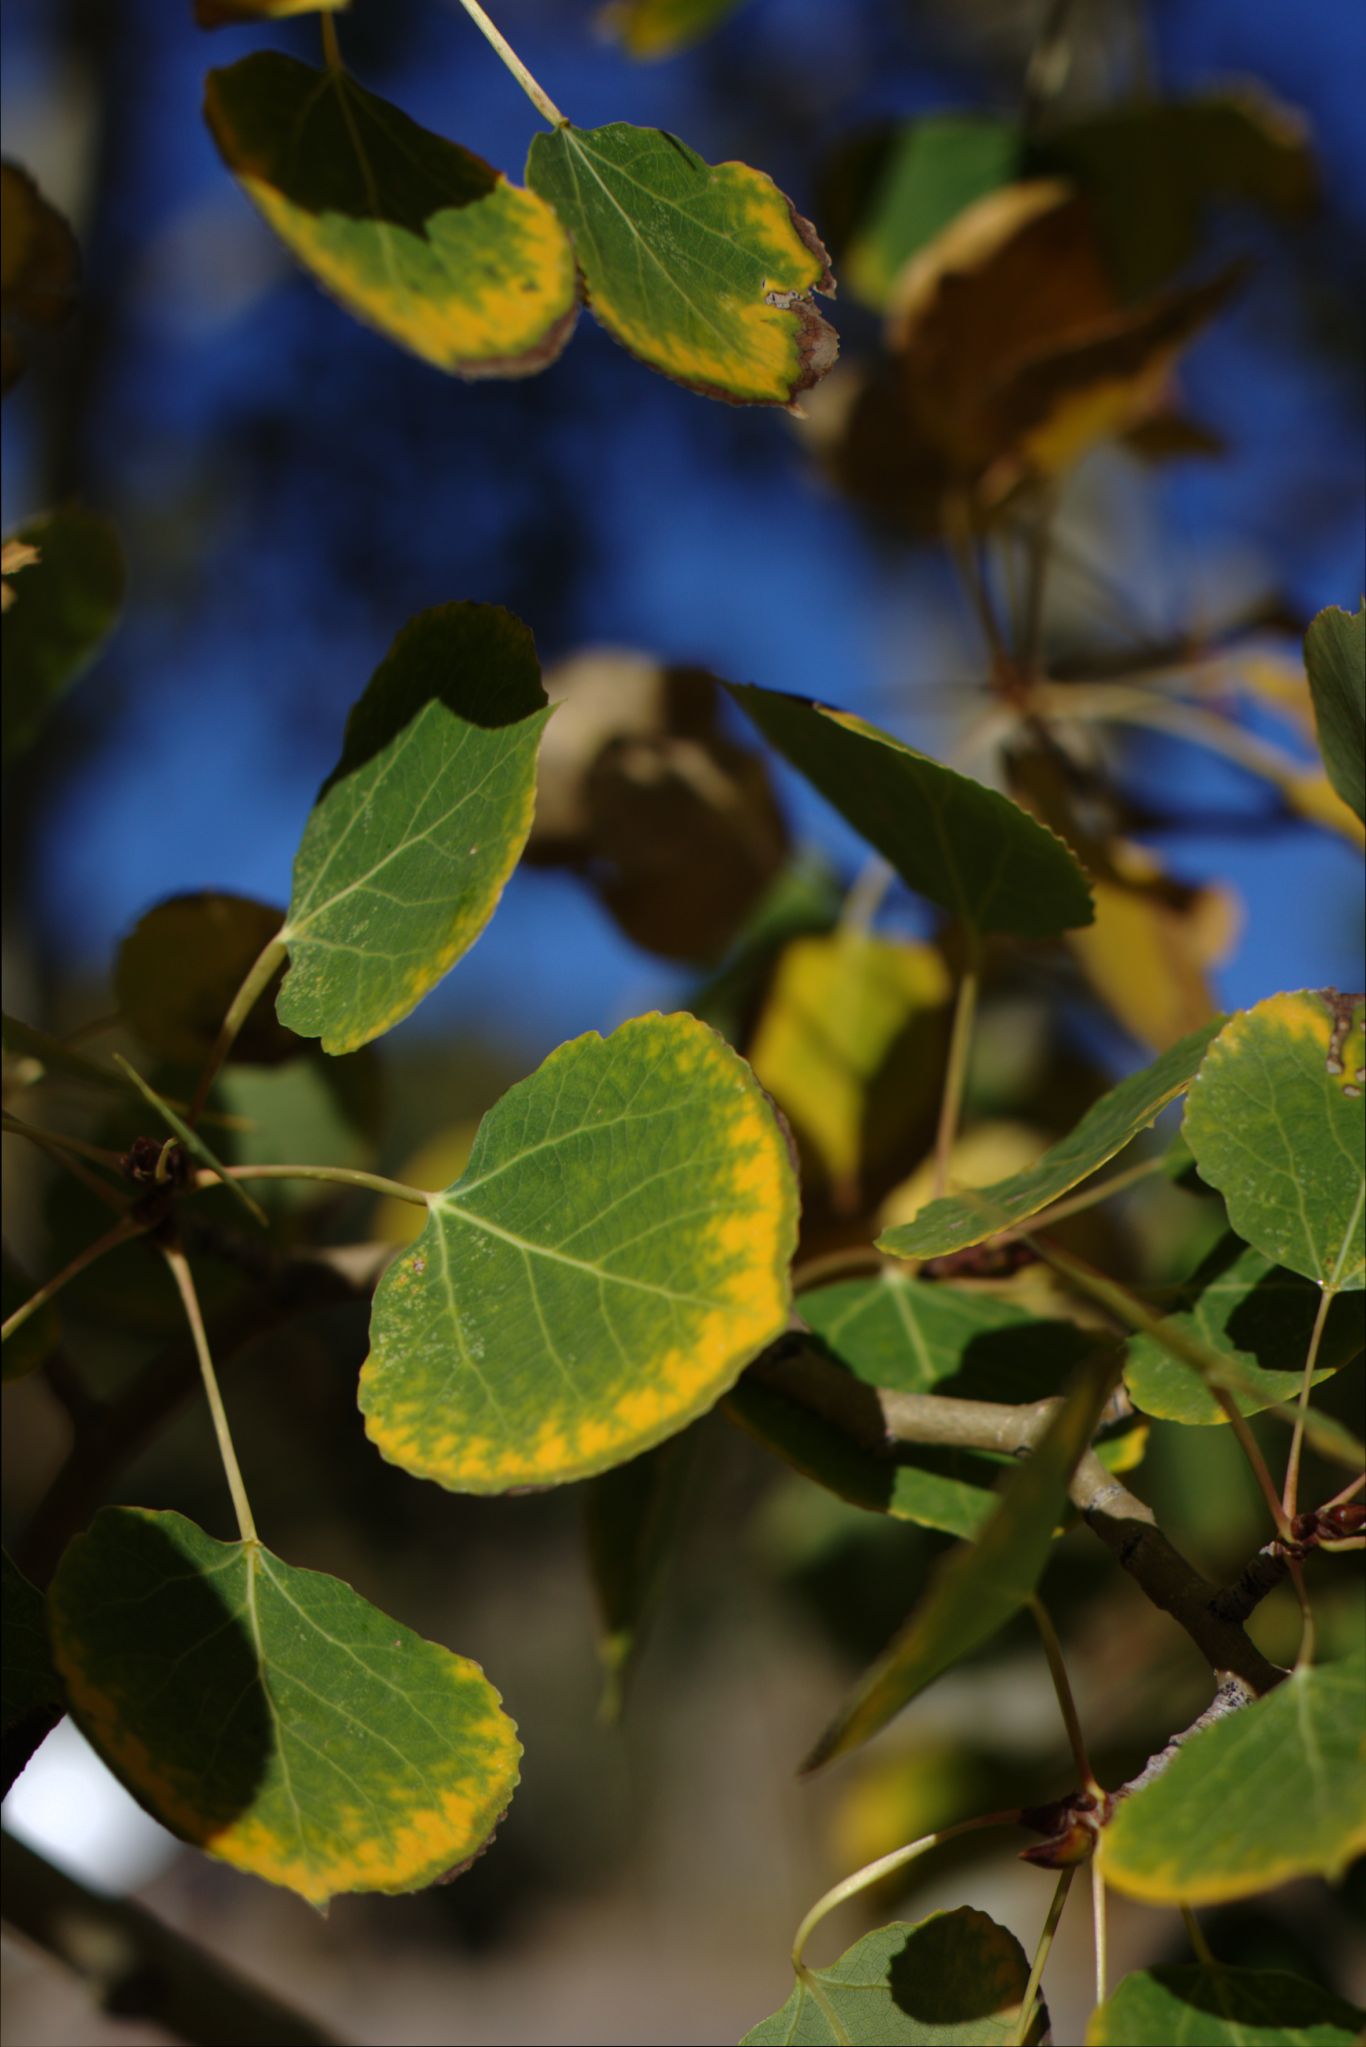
(614,1258)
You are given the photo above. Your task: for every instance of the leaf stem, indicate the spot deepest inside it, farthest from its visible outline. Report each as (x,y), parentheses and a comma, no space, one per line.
(1199,1945)
(254,985)
(1097,1191)
(331,47)
(1290,1497)
(1100,1928)
(1057,1670)
(184,1279)
(955,1078)
(850,1886)
(122,1231)
(540,99)
(864,899)
(1036,1969)
(345,1176)
(57,1150)
(57,1140)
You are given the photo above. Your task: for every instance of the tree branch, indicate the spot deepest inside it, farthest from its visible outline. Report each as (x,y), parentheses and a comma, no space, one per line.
(880,1421)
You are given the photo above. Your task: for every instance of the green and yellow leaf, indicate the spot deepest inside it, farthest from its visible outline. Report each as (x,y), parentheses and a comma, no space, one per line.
(417,828)
(615,1253)
(702,271)
(273,1717)
(1202,2005)
(413,234)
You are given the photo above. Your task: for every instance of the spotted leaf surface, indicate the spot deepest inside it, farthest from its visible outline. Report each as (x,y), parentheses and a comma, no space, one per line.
(413,234)
(966,847)
(1274,1791)
(615,1253)
(1194,2006)
(957,1977)
(273,1717)
(418,827)
(703,271)
(956,1221)
(1277,1122)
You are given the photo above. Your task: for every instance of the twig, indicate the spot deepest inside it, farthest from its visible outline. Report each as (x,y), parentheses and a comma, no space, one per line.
(1290,1497)
(1067,1705)
(256,980)
(1041,1952)
(122,1233)
(189,1298)
(139,1969)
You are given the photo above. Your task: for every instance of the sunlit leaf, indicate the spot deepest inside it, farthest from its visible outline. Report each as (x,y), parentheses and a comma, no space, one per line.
(1274,1791)
(1108,1125)
(1275,1120)
(912,1336)
(1150,168)
(179,968)
(272,1716)
(632,1518)
(928,171)
(412,233)
(704,272)
(614,1255)
(659,28)
(32,1696)
(228,13)
(1198,2006)
(64,607)
(974,1591)
(970,850)
(850,1043)
(39,268)
(1242,1304)
(418,827)
(956,1977)
(33,1341)
(1335,656)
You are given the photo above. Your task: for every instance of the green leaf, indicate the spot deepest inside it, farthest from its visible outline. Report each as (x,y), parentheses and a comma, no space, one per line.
(704,272)
(660,28)
(413,234)
(271,1715)
(929,170)
(1335,656)
(970,850)
(956,1977)
(974,1591)
(63,608)
(1274,1791)
(912,1336)
(191,1139)
(33,1341)
(229,13)
(1277,1122)
(956,1221)
(615,1253)
(418,827)
(32,1696)
(631,1520)
(179,968)
(1195,2006)
(1258,1316)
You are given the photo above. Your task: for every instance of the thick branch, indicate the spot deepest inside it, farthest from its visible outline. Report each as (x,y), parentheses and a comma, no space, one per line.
(880,1421)
(140,1969)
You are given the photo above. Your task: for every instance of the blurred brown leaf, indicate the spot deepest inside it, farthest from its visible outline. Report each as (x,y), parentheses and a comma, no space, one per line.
(39,268)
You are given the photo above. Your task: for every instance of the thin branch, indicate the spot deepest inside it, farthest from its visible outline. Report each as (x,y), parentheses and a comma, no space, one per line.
(1041,1952)
(139,1969)
(1290,1497)
(184,1279)
(122,1233)
(57,1140)
(256,980)
(1231,1697)
(344,1176)
(960,1045)
(1067,1705)
(873,1872)
(1199,1944)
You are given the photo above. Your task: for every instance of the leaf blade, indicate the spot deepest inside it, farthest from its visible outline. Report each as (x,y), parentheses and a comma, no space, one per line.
(1335,656)
(1221,2007)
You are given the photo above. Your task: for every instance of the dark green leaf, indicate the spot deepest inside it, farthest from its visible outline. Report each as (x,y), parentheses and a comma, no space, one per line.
(418,827)
(1196,2006)
(63,608)
(970,850)
(272,1716)
(1335,656)
(179,968)
(631,1522)
(32,1702)
(704,272)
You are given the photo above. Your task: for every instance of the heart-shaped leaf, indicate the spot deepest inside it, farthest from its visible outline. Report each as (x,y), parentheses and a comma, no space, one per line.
(1335,656)
(956,1221)
(966,847)
(417,828)
(1260,1317)
(615,1253)
(413,234)
(704,272)
(271,1715)
(1274,1791)
(1277,1122)
(957,1977)
(1211,2006)
(974,1591)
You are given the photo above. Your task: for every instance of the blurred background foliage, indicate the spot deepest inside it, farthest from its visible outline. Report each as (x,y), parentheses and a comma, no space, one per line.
(288,489)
